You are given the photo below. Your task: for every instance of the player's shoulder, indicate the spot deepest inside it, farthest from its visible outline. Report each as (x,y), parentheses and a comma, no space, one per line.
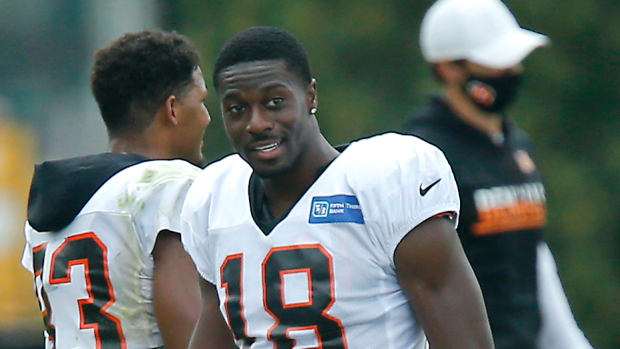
(222,175)
(391,149)
(390,158)
(134,187)
(155,171)
(518,135)
(228,168)
(393,140)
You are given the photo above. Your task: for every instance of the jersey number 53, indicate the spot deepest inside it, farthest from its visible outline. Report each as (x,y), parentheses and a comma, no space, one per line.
(87,250)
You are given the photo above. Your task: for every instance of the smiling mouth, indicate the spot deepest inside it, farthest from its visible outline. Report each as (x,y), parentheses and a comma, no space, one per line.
(267,147)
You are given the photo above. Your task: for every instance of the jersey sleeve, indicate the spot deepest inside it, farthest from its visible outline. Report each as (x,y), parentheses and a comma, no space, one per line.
(157,199)
(412,184)
(194,221)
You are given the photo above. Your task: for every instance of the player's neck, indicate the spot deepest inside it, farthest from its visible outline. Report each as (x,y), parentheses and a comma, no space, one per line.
(142,144)
(285,190)
(468,112)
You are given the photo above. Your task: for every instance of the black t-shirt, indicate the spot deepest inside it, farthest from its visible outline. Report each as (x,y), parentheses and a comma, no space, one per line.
(502,216)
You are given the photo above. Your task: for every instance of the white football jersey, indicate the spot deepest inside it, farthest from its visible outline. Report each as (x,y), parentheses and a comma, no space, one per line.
(94,277)
(324,277)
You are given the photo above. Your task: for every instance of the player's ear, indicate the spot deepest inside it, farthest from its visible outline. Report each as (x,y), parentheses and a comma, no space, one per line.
(311,92)
(171,110)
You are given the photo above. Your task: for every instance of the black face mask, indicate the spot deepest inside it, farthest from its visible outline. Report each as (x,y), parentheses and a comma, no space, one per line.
(492,94)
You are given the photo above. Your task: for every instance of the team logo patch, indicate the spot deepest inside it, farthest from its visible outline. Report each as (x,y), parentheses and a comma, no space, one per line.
(335,209)
(481,93)
(524,161)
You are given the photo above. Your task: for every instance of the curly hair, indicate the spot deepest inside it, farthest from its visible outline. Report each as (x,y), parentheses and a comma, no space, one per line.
(264,43)
(135,74)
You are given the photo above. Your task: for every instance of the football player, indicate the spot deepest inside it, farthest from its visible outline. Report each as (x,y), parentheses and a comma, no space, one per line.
(101,235)
(307,246)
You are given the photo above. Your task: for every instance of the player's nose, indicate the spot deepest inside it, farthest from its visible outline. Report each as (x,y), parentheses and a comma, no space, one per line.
(259,121)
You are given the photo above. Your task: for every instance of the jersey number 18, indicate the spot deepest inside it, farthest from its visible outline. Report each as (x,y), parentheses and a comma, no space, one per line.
(316,263)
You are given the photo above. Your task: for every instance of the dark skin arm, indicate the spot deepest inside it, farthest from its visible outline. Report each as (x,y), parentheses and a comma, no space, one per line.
(434,273)
(176,294)
(211,331)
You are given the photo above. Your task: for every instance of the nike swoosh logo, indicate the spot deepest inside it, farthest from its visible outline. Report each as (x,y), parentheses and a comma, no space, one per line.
(423,191)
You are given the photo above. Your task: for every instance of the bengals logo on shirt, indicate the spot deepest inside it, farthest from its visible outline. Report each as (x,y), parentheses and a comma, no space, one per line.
(481,93)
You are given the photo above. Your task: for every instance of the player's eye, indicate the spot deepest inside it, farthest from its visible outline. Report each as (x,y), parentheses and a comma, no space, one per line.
(274,102)
(235,109)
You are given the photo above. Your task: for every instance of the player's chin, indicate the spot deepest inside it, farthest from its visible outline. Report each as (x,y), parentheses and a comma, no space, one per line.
(264,161)
(267,169)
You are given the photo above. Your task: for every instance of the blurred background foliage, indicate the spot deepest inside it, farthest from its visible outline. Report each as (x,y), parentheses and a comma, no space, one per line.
(371,76)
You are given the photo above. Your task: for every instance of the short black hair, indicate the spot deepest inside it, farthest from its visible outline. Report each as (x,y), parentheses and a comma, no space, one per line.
(264,43)
(135,74)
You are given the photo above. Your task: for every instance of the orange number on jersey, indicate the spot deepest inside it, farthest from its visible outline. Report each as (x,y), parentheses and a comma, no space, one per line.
(314,264)
(38,256)
(87,250)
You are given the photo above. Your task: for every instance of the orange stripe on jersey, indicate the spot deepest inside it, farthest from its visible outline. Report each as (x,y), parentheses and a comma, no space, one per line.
(445,214)
(522,215)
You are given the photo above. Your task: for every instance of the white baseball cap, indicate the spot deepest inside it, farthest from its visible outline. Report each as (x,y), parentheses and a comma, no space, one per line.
(481,31)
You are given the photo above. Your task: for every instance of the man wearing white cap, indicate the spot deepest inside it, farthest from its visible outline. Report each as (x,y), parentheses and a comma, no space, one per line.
(476,48)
